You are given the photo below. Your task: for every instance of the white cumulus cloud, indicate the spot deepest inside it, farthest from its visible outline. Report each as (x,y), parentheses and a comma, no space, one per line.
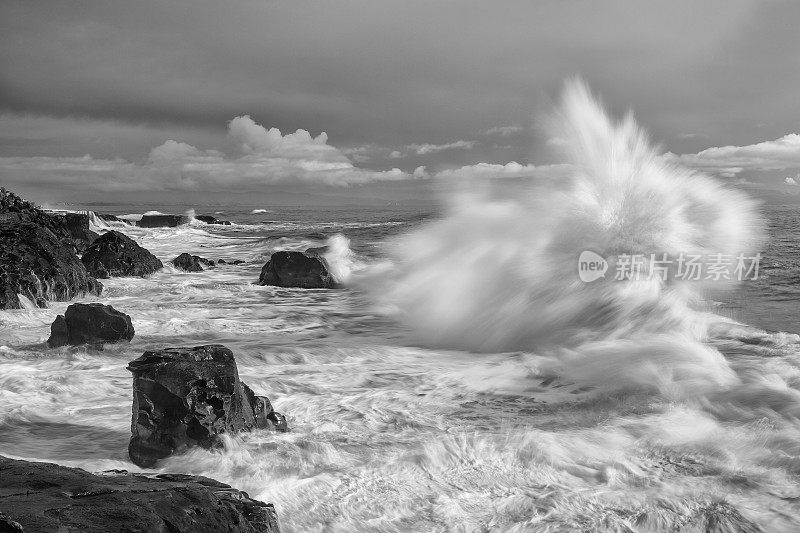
(779,154)
(423,149)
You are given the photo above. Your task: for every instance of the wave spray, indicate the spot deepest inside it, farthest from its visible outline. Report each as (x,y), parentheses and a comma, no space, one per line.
(500,273)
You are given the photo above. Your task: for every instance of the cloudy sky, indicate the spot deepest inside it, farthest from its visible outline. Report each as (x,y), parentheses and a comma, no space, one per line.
(377,99)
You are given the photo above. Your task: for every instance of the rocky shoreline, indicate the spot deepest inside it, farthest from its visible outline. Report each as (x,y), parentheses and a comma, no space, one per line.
(182,396)
(46,497)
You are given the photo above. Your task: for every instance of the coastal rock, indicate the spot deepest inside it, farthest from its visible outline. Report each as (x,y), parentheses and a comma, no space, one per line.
(191,263)
(162,221)
(209,219)
(234,262)
(297,269)
(184,397)
(38,265)
(115,254)
(90,324)
(48,497)
(77,225)
(70,228)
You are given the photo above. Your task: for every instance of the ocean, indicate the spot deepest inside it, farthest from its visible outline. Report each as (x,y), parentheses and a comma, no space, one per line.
(465,379)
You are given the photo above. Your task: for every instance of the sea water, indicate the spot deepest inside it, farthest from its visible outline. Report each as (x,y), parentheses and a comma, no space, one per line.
(467,379)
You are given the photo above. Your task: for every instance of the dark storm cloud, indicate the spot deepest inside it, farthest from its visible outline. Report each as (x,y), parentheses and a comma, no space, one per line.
(381,78)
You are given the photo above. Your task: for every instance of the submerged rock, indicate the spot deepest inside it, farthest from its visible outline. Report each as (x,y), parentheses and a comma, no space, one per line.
(234,262)
(191,263)
(90,324)
(209,219)
(297,269)
(184,397)
(162,221)
(49,497)
(115,254)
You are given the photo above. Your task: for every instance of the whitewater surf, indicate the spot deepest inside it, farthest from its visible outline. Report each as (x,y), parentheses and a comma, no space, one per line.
(466,379)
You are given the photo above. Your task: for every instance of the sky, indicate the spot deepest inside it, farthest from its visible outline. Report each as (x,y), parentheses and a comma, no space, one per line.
(377,101)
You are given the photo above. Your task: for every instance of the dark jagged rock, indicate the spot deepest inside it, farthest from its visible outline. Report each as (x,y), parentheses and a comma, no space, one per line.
(191,263)
(77,224)
(70,228)
(184,397)
(234,262)
(297,269)
(46,497)
(90,324)
(115,254)
(162,221)
(40,266)
(209,219)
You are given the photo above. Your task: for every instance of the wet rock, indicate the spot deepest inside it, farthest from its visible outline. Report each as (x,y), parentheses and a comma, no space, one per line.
(184,397)
(191,263)
(70,228)
(208,219)
(234,262)
(90,324)
(40,266)
(48,497)
(297,269)
(162,221)
(115,254)
(77,224)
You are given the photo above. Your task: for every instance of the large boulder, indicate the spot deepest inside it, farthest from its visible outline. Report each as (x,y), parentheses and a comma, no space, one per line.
(297,269)
(90,324)
(115,254)
(191,263)
(48,497)
(162,221)
(40,266)
(184,397)
(209,219)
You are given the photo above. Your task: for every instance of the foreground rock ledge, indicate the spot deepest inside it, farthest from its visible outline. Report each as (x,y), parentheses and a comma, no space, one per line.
(48,497)
(184,397)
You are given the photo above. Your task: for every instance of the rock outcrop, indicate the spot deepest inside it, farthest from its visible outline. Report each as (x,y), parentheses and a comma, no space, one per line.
(297,269)
(115,254)
(48,497)
(70,228)
(90,324)
(209,219)
(40,266)
(77,225)
(191,263)
(184,397)
(234,262)
(162,221)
